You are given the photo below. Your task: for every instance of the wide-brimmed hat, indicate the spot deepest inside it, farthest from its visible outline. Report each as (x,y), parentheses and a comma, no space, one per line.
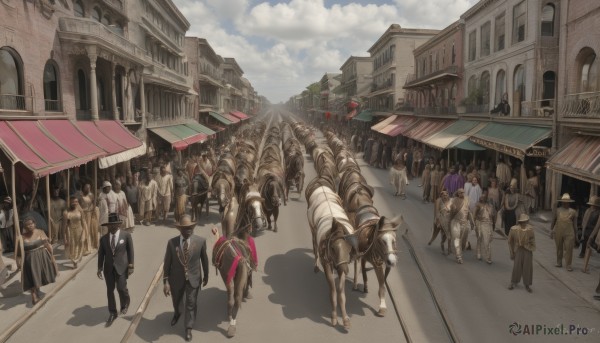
(566,198)
(523,218)
(185,222)
(106,184)
(594,201)
(113,219)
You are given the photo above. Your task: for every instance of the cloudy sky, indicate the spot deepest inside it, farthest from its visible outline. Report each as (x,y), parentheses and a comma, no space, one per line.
(283,46)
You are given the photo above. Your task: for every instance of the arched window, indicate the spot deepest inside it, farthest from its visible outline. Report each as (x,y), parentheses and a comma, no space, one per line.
(106,20)
(519,84)
(78,8)
(588,79)
(500,86)
(548,20)
(484,86)
(11,84)
(96,15)
(51,87)
(82,90)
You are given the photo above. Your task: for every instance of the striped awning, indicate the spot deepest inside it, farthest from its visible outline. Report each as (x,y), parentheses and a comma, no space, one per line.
(384,123)
(456,135)
(579,158)
(220,118)
(426,128)
(399,126)
(180,136)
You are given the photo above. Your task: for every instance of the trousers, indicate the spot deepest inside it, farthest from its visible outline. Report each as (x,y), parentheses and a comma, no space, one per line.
(191,298)
(120,281)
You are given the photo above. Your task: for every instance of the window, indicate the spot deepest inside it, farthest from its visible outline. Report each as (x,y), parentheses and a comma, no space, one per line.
(472,45)
(485,38)
(453,54)
(500,86)
(519,21)
(548,20)
(499,32)
(82,83)
(484,86)
(106,20)
(96,15)
(588,81)
(519,84)
(472,85)
(549,85)
(51,87)
(78,8)
(11,73)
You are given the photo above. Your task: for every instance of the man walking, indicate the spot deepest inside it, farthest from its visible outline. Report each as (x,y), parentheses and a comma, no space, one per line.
(165,193)
(186,263)
(461,219)
(521,243)
(115,262)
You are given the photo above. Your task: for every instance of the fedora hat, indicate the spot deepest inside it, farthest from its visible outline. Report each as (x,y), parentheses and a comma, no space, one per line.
(523,218)
(113,219)
(566,198)
(185,222)
(106,184)
(594,201)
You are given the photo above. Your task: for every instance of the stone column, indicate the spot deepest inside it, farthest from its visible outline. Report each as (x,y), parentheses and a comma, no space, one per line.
(93,86)
(142,97)
(114,91)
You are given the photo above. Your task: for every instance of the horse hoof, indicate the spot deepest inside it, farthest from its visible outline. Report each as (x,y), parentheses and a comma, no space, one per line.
(347,323)
(316,269)
(231,331)
(275,229)
(382,311)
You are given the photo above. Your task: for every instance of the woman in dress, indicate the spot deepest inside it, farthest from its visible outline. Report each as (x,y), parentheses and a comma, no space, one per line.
(398,178)
(74,230)
(123,208)
(39,267)
(181,185)
(90,217)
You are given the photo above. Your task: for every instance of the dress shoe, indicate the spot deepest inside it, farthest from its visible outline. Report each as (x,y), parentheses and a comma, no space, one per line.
(511,286)
(124,309)
(188,335)
(111,319)
(569,268)
(528,289)
(559,265)
(175,319)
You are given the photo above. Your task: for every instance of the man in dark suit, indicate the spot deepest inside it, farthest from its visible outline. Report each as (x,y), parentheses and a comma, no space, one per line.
(115,261)
(185,263)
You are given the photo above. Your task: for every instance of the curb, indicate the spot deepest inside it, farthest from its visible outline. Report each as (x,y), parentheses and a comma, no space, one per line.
(24,318)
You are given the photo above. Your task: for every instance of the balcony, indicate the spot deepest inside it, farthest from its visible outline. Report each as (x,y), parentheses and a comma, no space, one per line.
(539,108)
(16,103)
(436,110)
(477,109)
(81,30)
(52,105)
(384,85)
(415,82)
(581,105)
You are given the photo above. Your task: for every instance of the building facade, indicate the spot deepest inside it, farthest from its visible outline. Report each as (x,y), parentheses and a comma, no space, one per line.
(328,83)
(356,78)
(232,77)
(205,67)
(393,60)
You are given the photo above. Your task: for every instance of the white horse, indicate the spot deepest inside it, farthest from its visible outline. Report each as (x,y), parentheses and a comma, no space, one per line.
(329,226)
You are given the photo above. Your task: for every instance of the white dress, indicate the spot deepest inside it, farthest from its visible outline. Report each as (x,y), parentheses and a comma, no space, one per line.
(125,211)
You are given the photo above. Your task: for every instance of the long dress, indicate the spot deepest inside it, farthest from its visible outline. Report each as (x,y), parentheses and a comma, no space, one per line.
(181,188)
(38,267)
(399,179)
(125,211)
(90,216)
(75,227)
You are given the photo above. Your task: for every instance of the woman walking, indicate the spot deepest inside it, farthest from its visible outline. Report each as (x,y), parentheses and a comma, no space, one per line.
(398,178)
(73,219)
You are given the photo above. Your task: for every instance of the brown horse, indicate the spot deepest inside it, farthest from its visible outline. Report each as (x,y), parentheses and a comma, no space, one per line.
(199,197)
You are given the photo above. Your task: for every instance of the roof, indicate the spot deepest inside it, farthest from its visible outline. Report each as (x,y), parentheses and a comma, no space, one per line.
(180,136)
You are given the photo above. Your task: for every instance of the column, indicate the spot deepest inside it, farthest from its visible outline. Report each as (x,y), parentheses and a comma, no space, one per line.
(130,115)
(93,86)
(113,86)
(142,97)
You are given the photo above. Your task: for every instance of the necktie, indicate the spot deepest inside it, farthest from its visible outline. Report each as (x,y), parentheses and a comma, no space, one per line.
(186,251)
(113,242)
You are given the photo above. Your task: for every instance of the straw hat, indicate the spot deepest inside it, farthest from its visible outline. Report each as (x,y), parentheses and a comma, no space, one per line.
(186,222)
(566,198)
(113,219)
(106,184)
(594,201)
(523,218)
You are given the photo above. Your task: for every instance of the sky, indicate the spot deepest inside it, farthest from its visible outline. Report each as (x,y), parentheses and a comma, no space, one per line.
(284,46)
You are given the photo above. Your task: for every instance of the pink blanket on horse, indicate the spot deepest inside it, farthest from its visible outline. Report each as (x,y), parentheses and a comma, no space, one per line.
(238,255)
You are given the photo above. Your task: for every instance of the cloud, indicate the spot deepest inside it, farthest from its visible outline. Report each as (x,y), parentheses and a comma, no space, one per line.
(285,46)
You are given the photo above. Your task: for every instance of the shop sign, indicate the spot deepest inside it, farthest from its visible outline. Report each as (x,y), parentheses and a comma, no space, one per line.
(505,149)
(539,151)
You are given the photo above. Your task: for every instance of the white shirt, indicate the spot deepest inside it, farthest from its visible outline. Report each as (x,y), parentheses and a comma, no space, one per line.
(116,234)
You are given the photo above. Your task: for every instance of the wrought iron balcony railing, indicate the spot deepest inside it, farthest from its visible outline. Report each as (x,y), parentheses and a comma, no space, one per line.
(581,105)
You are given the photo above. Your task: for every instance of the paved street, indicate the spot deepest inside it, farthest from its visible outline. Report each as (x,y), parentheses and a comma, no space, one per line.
(291,302)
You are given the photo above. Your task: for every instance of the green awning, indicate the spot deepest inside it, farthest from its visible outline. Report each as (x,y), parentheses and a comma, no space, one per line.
(455,134)
(200,128)
(365,116)
(468,145)
(220,118)
(180,136)
(513,140)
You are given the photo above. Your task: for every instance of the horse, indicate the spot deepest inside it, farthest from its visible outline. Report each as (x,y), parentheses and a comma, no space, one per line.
(376,237)
(251,212)
(222,189)
(234,256)
(244,174)
(199,195)
(329,226)
(271,189)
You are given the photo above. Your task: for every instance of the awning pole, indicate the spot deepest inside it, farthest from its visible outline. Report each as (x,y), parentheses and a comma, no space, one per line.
(68,187)
(49,219)
(17,234)
(95,181)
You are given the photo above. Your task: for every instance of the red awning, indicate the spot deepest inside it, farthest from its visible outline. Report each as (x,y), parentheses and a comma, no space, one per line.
(427,128)
(400,125)
(240,115)
(119,144)
(230,117)
(46,146)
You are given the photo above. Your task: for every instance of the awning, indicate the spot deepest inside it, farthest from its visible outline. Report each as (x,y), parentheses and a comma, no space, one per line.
(230,117)
(215,128)
(456,135)
(240,115)
(426,128)
(220,118)
(427,81)
(514,140)
(351,115)
(580,158)
(200,128)
(384,123)
(111,136)
(180,136)
(365,116)
(400,125)
(46,148)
